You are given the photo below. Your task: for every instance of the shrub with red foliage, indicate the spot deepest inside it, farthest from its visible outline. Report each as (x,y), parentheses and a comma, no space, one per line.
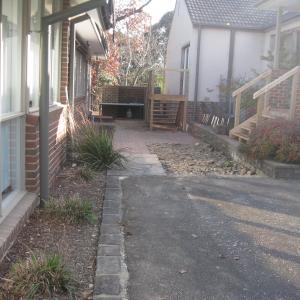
(277,140)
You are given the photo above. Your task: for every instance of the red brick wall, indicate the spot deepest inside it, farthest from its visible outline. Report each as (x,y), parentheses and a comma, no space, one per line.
(280,96)
(297,111)
(57,146)
(65,56)
(123,94)
(80,107)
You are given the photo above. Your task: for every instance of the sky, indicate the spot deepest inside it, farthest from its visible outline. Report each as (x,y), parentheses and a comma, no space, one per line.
(157,8)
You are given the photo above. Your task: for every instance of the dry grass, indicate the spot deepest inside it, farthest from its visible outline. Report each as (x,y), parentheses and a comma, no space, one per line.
(71,209)
(38,276)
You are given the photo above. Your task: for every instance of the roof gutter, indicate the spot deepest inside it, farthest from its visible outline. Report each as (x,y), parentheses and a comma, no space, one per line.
(44,99)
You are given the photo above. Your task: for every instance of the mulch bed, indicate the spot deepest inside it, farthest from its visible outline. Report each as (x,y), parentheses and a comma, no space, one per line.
(197,159)
(76,243)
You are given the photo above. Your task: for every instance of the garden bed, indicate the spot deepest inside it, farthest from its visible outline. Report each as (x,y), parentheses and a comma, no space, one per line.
(197,159)
(77,244)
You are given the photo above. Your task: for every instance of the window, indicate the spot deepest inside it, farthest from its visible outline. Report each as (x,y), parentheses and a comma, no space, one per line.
(289,50)
(11,56)
(54,62)
(11,106)
(81,70)
(34,52)
(184,78)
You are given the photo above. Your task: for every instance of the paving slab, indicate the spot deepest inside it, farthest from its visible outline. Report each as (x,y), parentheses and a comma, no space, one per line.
(212,238)
(111,256)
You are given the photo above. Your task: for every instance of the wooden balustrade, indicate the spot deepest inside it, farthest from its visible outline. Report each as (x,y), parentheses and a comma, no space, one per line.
(238,94)
(294,74)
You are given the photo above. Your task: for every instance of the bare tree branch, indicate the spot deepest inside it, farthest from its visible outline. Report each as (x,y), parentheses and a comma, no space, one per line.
(129,13)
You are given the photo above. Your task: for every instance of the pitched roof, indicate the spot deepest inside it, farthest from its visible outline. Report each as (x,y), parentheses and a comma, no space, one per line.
(234,13)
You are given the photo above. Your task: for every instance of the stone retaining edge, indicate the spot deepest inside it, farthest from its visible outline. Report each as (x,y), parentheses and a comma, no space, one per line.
(111,272)
(231,148)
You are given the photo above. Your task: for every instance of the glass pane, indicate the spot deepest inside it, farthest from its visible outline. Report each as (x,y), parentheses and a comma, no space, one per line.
(10,154)
(52,6)
(35,15)
(81,74)
(11,56)
(76,2)
(33,70)
(54,62)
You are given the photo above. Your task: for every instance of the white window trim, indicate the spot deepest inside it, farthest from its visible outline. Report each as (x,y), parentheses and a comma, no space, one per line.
(7,204)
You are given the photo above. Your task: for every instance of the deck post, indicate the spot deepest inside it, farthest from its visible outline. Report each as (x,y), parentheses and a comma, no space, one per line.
(295,84)
(278,38)
(237,110)
(184,114)
(260,108)
(151,112)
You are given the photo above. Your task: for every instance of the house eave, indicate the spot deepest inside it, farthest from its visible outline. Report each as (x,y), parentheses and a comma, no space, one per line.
(229,27)
(291,5)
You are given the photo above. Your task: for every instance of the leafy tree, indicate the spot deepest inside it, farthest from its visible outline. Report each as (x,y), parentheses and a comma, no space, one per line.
(135,46)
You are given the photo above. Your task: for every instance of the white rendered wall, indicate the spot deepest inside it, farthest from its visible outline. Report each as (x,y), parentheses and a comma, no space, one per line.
(182,33)
(214,56)
(249,47)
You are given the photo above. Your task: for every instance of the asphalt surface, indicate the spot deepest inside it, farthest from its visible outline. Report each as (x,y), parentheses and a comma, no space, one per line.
(212,238)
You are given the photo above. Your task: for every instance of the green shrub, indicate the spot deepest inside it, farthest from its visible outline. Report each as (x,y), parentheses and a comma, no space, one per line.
(86,173)
(72,209)
(95,149)
(38,276)
(277,140)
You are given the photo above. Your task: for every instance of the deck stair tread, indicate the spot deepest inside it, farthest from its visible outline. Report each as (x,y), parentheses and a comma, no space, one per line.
(243,131)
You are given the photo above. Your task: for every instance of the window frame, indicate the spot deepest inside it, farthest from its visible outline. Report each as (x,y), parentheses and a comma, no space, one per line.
(13,198)
(82,84)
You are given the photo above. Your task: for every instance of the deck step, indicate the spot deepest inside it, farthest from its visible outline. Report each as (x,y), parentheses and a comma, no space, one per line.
(240,136)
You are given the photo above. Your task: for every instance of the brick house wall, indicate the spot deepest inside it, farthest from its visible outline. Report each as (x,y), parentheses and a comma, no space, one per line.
(80,107)
(57,125)
(297,111)
(65,43)
(280,96)
(57,146)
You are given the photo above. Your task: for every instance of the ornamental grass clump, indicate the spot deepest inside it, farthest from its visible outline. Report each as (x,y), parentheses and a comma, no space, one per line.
(277,140)
(71,209)
(86,173)
(95,149)
(39,276)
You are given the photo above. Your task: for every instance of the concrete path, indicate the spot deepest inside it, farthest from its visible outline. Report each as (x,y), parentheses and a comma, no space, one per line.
(194,238)
(133,137)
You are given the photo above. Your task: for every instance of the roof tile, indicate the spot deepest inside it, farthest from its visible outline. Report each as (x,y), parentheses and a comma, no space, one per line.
(233,13)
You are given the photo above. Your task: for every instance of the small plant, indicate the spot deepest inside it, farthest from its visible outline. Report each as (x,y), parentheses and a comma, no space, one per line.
(73,209)
(278,140)
(95,149)
(86,173)
(228,164)
(38,276)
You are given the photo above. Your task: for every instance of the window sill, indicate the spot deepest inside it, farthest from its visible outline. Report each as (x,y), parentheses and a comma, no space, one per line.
(53,107)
